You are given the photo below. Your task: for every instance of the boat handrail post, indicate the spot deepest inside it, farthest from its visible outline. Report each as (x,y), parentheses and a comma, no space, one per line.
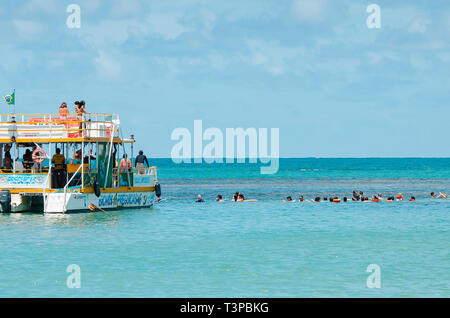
(82,165)
(46,185)
(16,155)
(109,158)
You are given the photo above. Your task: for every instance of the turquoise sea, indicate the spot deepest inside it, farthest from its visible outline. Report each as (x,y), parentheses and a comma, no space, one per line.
(267,248)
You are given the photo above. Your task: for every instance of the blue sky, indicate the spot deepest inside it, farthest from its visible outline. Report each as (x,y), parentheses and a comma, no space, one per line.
(313,69)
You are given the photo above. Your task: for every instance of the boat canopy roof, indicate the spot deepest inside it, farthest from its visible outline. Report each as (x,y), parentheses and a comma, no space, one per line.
(70,128)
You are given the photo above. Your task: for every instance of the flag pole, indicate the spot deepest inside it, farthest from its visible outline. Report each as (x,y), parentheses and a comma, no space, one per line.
(14,108)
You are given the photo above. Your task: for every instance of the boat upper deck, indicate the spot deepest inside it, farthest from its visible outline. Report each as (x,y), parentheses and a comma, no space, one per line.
(46,128)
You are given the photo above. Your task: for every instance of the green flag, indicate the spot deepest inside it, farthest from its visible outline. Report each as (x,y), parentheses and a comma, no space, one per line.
(10,99)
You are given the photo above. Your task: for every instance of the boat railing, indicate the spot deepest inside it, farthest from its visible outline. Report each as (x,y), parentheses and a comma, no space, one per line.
(152,171)
(67,184)
(138,176)
(59,126)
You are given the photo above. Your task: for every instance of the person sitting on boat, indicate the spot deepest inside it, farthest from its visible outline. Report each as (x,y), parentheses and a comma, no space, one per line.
(139,162)
(59,169)
(76,158)
(7,162)
(125,164)
(27,160)
(90,156)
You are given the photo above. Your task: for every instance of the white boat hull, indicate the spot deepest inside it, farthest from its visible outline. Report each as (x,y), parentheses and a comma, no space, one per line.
(62,203)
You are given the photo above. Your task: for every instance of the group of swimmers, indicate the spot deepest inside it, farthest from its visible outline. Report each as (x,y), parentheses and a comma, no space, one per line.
(238,197)
(357,196)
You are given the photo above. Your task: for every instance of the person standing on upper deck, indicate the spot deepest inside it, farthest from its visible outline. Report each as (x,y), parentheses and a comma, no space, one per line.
(63,111)
(140,161)
(80,109)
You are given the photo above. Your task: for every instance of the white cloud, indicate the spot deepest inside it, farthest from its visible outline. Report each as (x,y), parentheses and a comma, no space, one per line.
(88,6)
(444,56)
(309,11)
(217,61)
(419,62)
(258,58)
(107,67)
(126,8)
(166,25)
(379,56)
(46,6)
(419,25)
(14,59)
(209,18)
(108,32)
(272,57)
(29,30)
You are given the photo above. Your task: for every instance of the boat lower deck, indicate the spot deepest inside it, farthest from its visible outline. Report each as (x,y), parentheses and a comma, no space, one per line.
(61,201)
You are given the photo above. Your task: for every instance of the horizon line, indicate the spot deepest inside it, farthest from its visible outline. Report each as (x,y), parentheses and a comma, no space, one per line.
(311,157)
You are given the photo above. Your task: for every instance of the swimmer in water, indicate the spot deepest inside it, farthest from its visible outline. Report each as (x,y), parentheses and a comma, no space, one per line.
(441,195)
(241,198)
(236,196)
(317,199)
(300,198)
(355,196)
(345,199)
(219,198)
(289,199)
(200,199)
(412,199)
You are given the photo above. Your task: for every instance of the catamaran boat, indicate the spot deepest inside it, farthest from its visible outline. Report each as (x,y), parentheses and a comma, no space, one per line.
(90,177)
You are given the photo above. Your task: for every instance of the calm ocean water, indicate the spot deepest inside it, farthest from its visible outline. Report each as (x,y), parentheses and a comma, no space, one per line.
(253,249)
